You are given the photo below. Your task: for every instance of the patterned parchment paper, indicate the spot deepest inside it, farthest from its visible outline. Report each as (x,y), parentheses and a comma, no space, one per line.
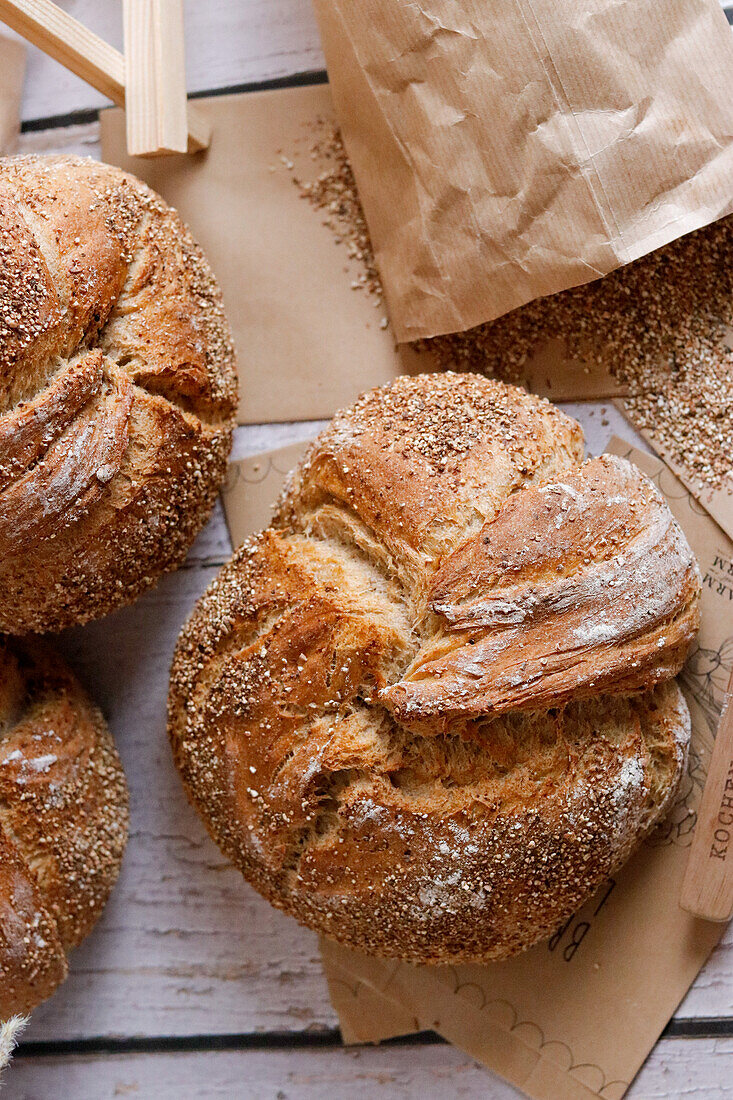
(576,1016)
(252,487)
(308,342)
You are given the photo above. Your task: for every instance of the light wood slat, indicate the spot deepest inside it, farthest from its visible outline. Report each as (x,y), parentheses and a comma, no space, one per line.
(155,83)
(696,1069)
(170,72)
(68,41)
(226,43)
(88,56)
(141,109)
(707,890)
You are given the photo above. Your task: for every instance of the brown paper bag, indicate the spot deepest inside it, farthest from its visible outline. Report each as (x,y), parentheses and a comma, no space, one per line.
(308,343)
(575,1017)
(510,150)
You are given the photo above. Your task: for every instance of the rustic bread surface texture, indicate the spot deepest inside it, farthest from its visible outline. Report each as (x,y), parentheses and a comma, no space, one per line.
(63,820)
(117,390)
(432,707)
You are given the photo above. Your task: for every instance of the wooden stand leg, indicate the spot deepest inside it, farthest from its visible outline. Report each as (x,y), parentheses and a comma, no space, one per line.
(150,82)
(155,79)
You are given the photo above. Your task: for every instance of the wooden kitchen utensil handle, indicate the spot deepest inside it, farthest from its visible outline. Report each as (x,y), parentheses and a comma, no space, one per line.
(707,889)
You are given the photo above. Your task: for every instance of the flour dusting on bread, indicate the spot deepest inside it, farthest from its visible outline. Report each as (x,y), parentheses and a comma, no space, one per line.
(117,390)
(432,707)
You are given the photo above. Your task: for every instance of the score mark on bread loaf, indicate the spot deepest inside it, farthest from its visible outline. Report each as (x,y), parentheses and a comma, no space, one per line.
(471,828)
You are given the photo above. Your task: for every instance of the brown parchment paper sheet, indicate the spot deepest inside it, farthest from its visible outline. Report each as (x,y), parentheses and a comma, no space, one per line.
(510,150)
(576,1016)
(307,342)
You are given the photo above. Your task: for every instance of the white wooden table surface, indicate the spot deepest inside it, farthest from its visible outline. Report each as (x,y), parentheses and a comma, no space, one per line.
(191,985)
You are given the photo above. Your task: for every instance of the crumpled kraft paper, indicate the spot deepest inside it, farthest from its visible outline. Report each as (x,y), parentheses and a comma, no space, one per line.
(510,150)
(574,1017)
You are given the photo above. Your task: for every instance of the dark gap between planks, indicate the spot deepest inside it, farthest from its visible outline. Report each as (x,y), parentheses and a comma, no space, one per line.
(706,1027)
(91,114)
(295,80)
(166,1044)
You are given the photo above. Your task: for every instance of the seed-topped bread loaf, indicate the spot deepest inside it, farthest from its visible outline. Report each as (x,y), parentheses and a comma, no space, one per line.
(433,706)
(63,820)
(117,390)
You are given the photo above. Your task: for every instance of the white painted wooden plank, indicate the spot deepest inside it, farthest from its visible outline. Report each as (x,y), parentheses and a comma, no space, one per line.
(185,947)
(82,140)
(251,438)
(697,1069)
(226,43)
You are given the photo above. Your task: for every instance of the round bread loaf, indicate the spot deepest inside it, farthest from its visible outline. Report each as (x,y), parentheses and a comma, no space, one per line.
(117,393)
(432,707)
(63,820)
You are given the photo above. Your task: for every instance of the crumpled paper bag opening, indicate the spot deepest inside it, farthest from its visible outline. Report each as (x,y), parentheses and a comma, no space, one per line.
(508,151)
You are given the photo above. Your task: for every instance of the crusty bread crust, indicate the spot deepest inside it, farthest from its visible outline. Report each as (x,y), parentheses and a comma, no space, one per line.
(63,820)
(117,394)
(432,707)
